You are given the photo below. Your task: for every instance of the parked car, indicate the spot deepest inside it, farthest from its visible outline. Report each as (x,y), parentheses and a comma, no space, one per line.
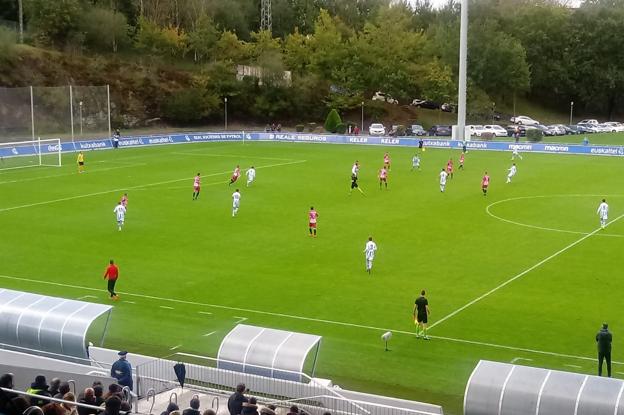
(446,107)
(497,130)
(603,128)
(377,129)
(615,127)
(589,128)
(415,129)
(523,129)
(440,131)
(423,103)
(524,120)
(558,129)
(380,96)
(567,129)
(475,130)
(590,121)
(546,130)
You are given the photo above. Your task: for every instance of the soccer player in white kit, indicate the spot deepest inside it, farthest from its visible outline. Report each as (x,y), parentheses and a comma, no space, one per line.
(236,196)
(514,154)
(120,212)
(251,175)
(416,162)
(512,172)
(603,213)
(369,253)
(443,176)
(355,169)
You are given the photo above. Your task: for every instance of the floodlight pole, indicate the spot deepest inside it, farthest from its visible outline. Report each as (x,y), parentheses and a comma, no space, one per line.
(463,63)
(225,101)
(80,104)
(571,111)
(20,8)
(362,123)
(71,112)
(32,113)
(108,96)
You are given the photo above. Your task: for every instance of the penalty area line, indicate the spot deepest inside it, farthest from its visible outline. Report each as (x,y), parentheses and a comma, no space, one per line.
(295,317)
(520,275)
(123,189)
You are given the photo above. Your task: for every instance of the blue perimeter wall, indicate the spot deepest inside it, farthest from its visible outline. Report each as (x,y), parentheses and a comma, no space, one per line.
(137,141)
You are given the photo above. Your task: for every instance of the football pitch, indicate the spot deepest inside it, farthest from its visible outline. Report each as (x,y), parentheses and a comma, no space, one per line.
(521,275)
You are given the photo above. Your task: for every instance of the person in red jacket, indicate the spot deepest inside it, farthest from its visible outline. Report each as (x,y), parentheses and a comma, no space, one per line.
(112,273)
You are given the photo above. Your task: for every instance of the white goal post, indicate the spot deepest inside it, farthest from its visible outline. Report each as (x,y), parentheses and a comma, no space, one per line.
(34,153)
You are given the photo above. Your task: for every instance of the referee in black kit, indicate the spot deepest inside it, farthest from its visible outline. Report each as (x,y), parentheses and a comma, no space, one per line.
(603,341)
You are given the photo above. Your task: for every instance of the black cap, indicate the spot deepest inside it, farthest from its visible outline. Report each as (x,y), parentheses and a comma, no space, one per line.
(122,353)
(605,326)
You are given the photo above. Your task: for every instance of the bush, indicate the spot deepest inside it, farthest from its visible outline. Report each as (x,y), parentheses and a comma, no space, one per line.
(341,128)
(332,121)
(487,136)
(534,135)
(311,127)
(400,131)
(189,105)
(299,128)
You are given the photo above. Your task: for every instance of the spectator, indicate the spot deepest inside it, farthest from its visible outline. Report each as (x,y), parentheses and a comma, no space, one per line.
(55,383)
(279,128)
(17,406)
(273,127)
(88,398)
(113,390)
(170,408)
(267,128)
(122,370)
(251,407)
(98,393)
(6,381)
(125,406)
(603,341)
(62,390)
(116,136)
(38,387)
(112,406)
(236,400)
(294,410)
(69,408)
(177,412)
(268,410)
(356,130)
(53,409)
(209,412)
(194,409)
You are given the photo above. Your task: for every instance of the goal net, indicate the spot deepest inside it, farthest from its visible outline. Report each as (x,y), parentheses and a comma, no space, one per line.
(22,154)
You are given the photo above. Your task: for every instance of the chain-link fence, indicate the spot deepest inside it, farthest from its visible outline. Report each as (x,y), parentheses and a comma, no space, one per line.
(65,112)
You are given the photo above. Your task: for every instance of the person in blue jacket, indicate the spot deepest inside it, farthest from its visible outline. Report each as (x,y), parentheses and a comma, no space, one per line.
(122,370)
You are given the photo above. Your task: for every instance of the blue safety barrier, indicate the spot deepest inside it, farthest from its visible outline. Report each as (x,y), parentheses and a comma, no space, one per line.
(150,140)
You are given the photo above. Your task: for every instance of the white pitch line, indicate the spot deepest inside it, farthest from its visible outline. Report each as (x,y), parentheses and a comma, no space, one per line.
(53,176)
(515,277)
(129,302)
(166,307)
(240,319)
(209,334)
(205,312)
(543,228)
(176,347)
(104,192)
(295,317)
(574,366)
(85,297)
(517,359)
(188,153)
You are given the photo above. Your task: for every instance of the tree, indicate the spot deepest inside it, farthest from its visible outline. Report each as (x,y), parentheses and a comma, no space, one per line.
(203,38)
(297,52)
(190,105)
(104,29)
(332,121)
(229,48)
(54,22)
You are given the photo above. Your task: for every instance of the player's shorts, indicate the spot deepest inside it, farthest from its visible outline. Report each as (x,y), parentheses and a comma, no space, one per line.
(422,318)
(236,205)
(196,188)
(234,178)
(312,225)
(81,163)
(383,179)
(484,186)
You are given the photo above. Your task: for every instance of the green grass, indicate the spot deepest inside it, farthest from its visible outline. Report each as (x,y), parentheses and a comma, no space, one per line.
(178,249)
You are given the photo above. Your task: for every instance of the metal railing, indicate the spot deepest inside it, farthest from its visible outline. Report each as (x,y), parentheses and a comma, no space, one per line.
(56,400)
(316,398)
